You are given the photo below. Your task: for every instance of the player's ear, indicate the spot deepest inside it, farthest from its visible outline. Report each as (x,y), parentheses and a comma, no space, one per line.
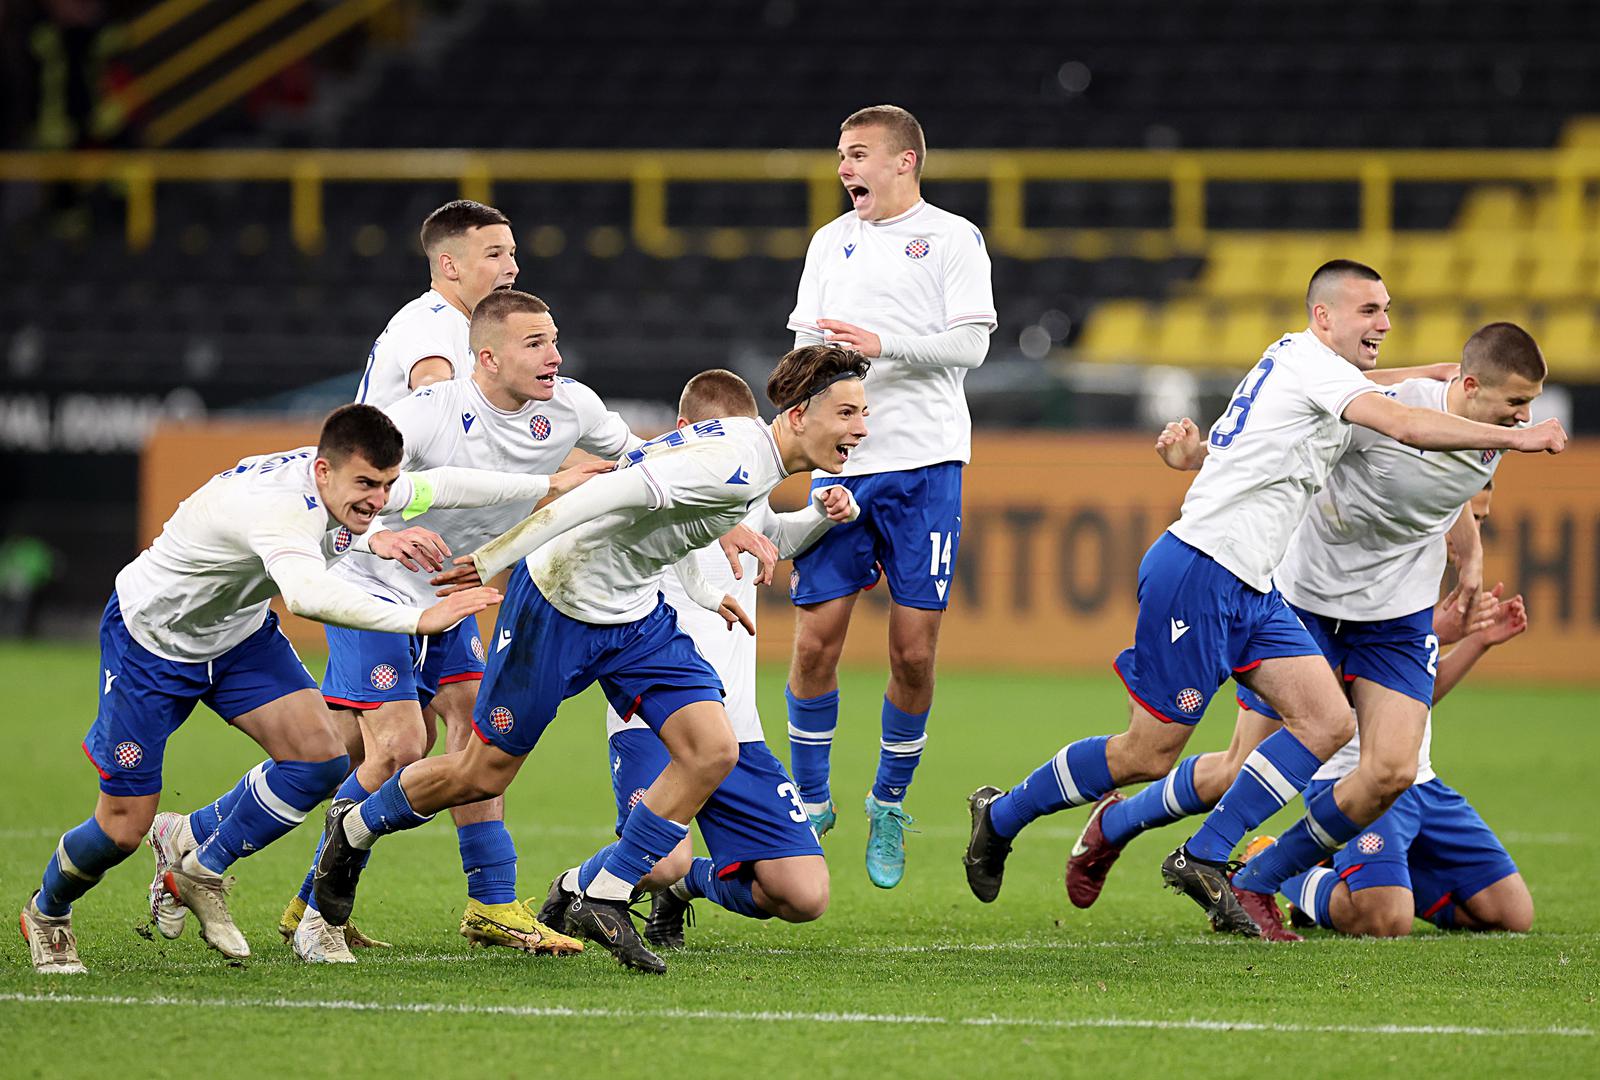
(447,267)
(488,361)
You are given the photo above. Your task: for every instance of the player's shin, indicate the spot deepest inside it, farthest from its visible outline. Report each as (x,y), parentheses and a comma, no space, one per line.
(385,811)
(904,736)
(352,789)
(646,839)
(204,821)
(1312,894)
(81,858)
(277,798)
(1324,830)
(1169,799)
(1275,772)
(812,722)
(489,859)
(1077,775)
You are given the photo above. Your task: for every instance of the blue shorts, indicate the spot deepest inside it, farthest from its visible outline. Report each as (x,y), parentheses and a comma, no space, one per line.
(1199,624)
(1430,841)
(647,668)
(754,814)
(367,668)
(1400,654)
(144,698)
(909,531)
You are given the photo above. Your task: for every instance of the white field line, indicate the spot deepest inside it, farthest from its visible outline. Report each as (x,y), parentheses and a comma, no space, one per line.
(764,1017)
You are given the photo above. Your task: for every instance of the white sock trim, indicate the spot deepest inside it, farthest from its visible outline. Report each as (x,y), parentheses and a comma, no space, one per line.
(608,886)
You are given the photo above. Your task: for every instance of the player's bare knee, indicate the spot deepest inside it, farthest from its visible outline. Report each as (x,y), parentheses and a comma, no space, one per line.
(1381,920)
(127,826)
(912,666)
(1392,777)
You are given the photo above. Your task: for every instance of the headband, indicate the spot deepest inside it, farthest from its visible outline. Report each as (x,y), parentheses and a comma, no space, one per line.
(818,388)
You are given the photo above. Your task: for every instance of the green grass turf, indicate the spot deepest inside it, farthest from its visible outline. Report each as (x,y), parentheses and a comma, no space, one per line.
(922,981)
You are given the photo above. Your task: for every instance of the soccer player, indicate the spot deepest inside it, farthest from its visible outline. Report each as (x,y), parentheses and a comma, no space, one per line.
(764,860)
(1362,572)
(906,284)
(471,252)
(1430,855)
(1208,608)
(516,414)
(189,621)
(584,606)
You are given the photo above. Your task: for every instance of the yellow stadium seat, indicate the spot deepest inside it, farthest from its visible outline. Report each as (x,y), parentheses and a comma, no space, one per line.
(1495,208)
(1117,331)
(1495,266)
(1569,341)
(1427,334)
(1560,270)
(1547,216)
(1299,256)
(1528,316)
(1241,265)
(1245,331)
(1187,335)
(1427,267)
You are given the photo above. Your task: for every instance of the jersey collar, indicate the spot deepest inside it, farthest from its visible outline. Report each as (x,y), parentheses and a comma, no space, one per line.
(772,445)
(488,406)
(916,209)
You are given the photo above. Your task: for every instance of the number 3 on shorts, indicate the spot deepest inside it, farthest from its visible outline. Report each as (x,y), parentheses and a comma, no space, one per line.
(788,791)
(940,543)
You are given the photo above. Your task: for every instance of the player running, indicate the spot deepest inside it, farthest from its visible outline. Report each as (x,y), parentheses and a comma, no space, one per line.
(906,284)
(1208,608)
(1358,572)
(471,252)
(1431,855)
(189,621)
(515,414)
(765,859)
(588,609)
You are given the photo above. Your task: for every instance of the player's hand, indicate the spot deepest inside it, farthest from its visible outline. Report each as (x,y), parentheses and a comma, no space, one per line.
(1452,621)
(415,548)
(463,576)
(1469,574)
(1181,446)
(735,616)
(567,479)
(836,502)
(742,539)
(1511,619)
(452,609)
(862,341)
(1547,436)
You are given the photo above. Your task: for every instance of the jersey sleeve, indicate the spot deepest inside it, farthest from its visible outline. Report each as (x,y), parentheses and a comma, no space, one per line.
(602,432)
(416,415)
(1333,386)
(286,527)
(808,299)
(1362,438)
(968,289)
(418,340)
(710,473)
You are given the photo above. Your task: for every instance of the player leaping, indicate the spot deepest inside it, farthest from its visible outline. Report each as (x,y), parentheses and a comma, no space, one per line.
(1207,605)
(906,284)
(587,608)
(189,622)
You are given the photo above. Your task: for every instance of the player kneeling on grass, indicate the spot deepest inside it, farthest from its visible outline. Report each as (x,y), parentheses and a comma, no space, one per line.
(765,857)
(584,607)
(189,621)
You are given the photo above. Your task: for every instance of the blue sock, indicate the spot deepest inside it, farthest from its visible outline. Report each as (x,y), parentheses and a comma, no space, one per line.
(646,839)
(811,725)
(591,866)
(1275,772)
(388,810)
(1078,774)
(204,821)
(1312,893)
(350,789)
(1161,803)
(489,859)
(733,893)
(900,751)
(1324,830)
(81,858)
(278,797)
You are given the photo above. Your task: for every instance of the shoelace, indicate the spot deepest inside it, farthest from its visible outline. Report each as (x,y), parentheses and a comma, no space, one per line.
(331,938)
(60,940)
(888,841)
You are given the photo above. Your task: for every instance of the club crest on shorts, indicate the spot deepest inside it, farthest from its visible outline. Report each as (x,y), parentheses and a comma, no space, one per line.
(384,677)
(539,428)
(917,249)
(633,800)
(1489,456)
(1369,844)
(477,648)
(127,755)
(500,719)
(1190,701)
(794,584)
(342,540)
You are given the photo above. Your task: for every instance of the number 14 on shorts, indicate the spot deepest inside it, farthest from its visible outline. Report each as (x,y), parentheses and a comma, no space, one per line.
(939,562)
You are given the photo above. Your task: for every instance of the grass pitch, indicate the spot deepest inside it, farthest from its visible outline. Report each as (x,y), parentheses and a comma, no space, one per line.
(921,981)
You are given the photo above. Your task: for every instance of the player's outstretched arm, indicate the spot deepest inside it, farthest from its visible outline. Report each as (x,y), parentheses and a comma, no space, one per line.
(1510,620)
(1430,429)
(450,486)
(311,592)
(1467,543)
(796,530)
(964,346)
(1437,372)
(702,593)
(1181,446)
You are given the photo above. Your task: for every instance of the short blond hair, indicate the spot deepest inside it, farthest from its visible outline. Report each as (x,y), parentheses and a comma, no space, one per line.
(901,126)
(493,310)
(716,393)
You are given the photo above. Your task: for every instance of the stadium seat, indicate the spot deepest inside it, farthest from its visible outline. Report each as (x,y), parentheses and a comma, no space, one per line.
(1570,341)
(1188,334)
(1117,331)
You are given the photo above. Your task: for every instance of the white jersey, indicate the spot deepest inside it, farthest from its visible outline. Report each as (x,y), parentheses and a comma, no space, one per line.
(919,274)
(204,585)
(428,326)
(1348,756)
(452,423)
(732,653)
(704,479)
(1372,546)
(1268,455)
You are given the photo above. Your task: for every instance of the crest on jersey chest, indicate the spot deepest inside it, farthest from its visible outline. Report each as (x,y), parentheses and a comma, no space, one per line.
(918,248)
(342,539)
(539,427)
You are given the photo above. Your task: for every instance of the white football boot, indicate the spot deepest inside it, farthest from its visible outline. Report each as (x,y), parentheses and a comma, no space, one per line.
(51,942)
(170,839)
(317,942)
(205,893)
